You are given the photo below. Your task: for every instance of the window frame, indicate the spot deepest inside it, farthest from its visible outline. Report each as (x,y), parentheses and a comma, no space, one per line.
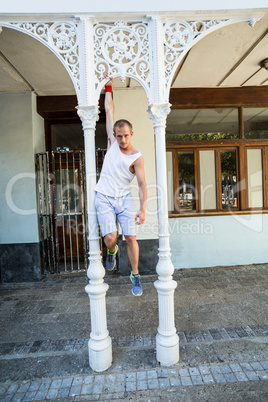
(176,182)
(241,145)
(264,163)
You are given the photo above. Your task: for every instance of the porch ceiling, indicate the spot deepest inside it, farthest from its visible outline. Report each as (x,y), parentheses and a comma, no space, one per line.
(229,56)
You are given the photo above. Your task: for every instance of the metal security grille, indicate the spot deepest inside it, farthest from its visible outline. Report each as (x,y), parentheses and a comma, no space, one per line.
(62,210)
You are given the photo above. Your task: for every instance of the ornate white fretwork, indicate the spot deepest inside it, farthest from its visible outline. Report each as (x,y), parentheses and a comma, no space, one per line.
(122,49)
(178,37)
(60,37)
(88,115)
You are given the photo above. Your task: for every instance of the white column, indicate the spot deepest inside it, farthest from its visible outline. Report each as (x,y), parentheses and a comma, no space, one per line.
(99,344)
(167,340)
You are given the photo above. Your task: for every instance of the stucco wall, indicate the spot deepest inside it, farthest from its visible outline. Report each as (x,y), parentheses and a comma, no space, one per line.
(38,129)
(219,240)
(22,135)
(132,105)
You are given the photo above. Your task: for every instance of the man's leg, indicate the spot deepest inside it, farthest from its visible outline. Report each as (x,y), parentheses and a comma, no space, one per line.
(110,241)
(112,249)
(107,221)
(133,253)
(126,218)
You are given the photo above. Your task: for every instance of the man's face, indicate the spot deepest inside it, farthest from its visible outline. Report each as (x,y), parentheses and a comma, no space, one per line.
(123,136)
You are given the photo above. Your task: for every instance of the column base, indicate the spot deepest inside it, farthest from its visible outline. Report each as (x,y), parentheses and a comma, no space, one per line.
(100,354)
(167,349)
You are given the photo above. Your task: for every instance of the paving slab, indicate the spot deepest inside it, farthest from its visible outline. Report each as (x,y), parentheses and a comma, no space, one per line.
(221,318)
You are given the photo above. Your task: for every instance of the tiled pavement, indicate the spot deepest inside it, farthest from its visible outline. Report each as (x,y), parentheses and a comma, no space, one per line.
(222,314)
(22,349)
(107,386)
(120,383)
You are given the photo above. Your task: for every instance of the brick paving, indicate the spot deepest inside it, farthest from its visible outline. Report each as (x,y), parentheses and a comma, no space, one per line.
(20,349)
(122,383)
(222,316)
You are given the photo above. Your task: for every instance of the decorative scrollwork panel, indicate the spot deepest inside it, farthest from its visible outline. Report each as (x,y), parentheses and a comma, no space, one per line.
(179,37)
(122,49)
(60,37)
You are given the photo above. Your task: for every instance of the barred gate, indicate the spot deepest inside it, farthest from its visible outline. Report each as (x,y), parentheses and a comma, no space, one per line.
(61,189)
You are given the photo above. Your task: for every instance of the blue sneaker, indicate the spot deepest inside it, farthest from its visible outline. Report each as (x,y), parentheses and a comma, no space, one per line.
(111,259)
(136,285)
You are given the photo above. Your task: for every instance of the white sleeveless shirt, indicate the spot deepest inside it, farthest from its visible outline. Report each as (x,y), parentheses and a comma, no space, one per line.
(115,177)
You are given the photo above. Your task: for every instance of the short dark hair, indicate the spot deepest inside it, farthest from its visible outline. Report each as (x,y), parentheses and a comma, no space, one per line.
(121,123)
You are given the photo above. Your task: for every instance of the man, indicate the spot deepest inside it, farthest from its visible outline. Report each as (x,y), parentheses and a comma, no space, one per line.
(113,199)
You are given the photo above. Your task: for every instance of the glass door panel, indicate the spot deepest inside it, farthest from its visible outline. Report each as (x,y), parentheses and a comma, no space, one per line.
(228,178)
(186,197)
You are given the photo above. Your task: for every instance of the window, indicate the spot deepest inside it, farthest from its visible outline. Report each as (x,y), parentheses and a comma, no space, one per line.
(64,135)
(255,178)
(215,189)
(217,160)
(207,179)
(228,178)
(185,196)
(255,122)
(67,137)
(202,125)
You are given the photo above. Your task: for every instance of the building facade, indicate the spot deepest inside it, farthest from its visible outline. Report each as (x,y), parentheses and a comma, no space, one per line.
(194,84)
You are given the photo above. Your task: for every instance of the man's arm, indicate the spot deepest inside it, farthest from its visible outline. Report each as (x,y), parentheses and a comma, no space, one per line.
(109,111)
(139,171)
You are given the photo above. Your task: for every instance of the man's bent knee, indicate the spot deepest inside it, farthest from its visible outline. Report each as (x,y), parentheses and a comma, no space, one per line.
(110,239)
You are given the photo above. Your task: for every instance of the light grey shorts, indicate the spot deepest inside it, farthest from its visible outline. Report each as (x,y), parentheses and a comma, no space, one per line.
(111,208)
